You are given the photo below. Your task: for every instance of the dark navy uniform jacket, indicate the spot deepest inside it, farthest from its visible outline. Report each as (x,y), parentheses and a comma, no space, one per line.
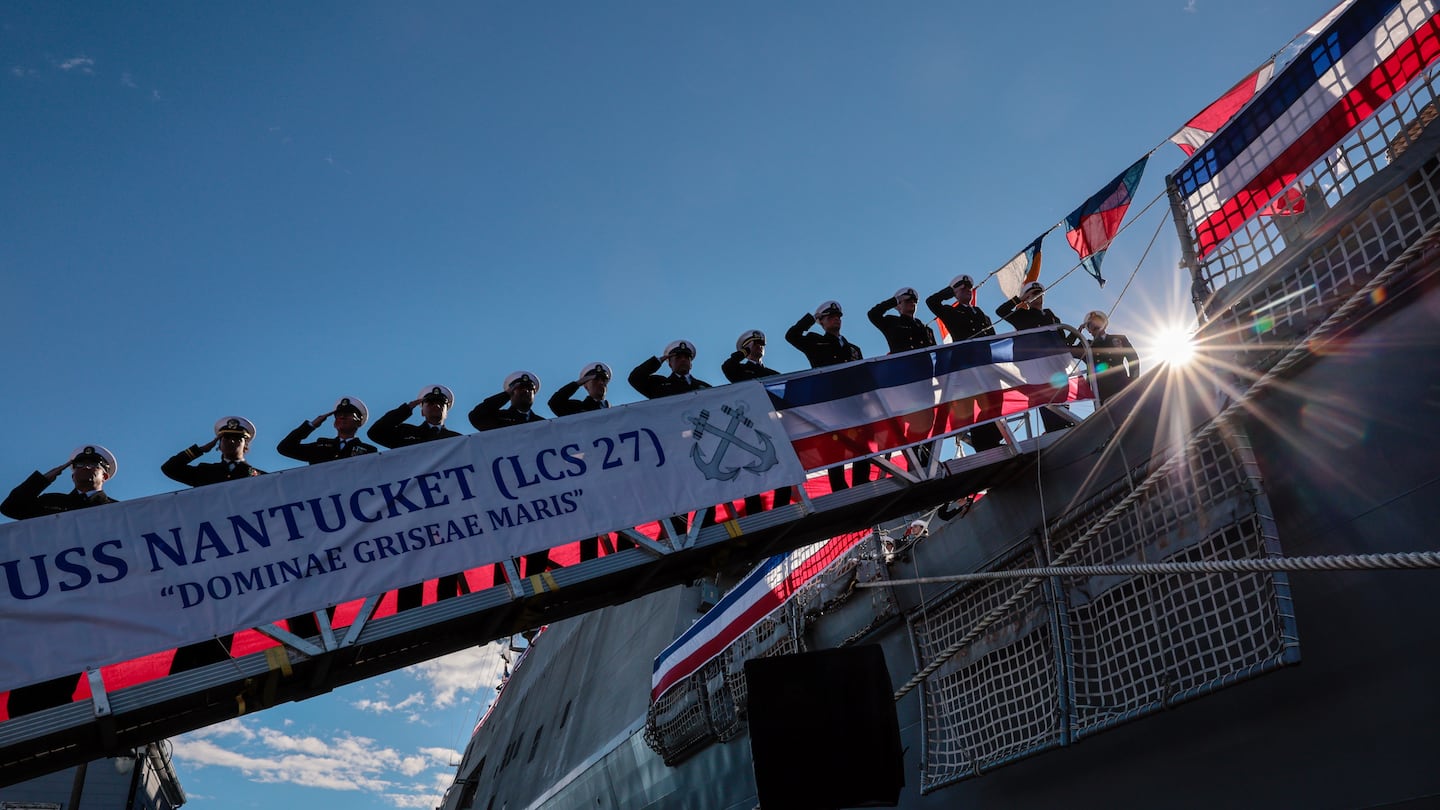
(562,404)
(27,501)
(178,468)
(737,369)
(391,430)
(653,386)
(320,450)
(901,333)
(489,414)
(821,350)
(1111,353)
(962,320)
(1023,319)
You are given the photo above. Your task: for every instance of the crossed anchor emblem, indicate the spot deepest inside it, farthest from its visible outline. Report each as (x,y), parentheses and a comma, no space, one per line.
(765,457)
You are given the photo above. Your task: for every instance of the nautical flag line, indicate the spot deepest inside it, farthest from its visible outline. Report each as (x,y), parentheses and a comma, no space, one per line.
(1092,226)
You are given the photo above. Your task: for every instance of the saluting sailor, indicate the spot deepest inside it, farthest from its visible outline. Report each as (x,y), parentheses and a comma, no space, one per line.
(680,355)
(350,413)
(90,467)
(512,406)
(1027,311)
(828,349)
(435,401)
(748,363)
(595,378)
(233,434)
(902,332)
(391,430)
(748,360)
(963,320)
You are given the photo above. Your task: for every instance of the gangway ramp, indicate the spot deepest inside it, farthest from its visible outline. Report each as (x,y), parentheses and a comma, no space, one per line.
(114,591)
(61,737)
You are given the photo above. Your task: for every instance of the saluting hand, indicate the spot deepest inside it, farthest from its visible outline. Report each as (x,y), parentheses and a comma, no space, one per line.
(415,403)
(55,473)
(320,420)
(210,445)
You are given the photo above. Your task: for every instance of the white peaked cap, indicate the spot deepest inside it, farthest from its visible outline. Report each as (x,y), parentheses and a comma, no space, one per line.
(517,376)
(680,345)
(353,402)
(437,391)
(747,336)
(106,457)
(591,369)
(235,424)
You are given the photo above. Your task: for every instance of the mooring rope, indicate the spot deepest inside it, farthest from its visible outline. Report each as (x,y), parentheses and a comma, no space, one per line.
(1335,562)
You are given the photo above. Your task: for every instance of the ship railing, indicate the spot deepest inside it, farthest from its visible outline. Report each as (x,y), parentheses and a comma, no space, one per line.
(126,706)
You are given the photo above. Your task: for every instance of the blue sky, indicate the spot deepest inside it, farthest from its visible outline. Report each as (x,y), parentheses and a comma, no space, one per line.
(255,208)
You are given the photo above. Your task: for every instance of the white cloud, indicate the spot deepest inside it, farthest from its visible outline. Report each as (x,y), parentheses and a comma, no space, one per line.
(447,757)
(469,670)
(404,800)
(127,80)
(385,706)
(1190,6)
(339,762)
(22,72)
(234,727)
(84,64)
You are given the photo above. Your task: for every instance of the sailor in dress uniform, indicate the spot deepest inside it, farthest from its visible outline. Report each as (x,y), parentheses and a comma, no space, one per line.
(90,466)
(595,379)
(350,414)
(828,349)
(233,434)
(514,405)
(680,355)
(391,430)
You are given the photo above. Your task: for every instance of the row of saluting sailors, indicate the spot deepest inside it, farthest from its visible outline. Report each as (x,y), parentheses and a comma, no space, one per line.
(92,465)
(1116,361)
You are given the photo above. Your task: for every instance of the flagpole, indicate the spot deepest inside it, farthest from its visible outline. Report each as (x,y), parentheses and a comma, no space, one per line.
(1199,287)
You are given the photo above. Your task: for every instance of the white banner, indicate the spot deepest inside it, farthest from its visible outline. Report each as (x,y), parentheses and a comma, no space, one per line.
(112,583)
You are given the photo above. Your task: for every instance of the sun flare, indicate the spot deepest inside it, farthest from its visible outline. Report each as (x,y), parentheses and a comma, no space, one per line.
(1174,346)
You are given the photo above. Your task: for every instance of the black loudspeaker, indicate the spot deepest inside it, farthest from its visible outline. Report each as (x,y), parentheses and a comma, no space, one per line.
(823,731)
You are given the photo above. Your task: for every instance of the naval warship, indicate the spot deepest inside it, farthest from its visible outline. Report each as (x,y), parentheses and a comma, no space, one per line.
(1197,596)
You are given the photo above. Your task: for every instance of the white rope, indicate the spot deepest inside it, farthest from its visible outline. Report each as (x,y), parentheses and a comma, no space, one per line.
(1338,562)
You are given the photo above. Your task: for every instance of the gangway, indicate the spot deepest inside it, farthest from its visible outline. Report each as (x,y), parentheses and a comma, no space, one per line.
(370,645)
